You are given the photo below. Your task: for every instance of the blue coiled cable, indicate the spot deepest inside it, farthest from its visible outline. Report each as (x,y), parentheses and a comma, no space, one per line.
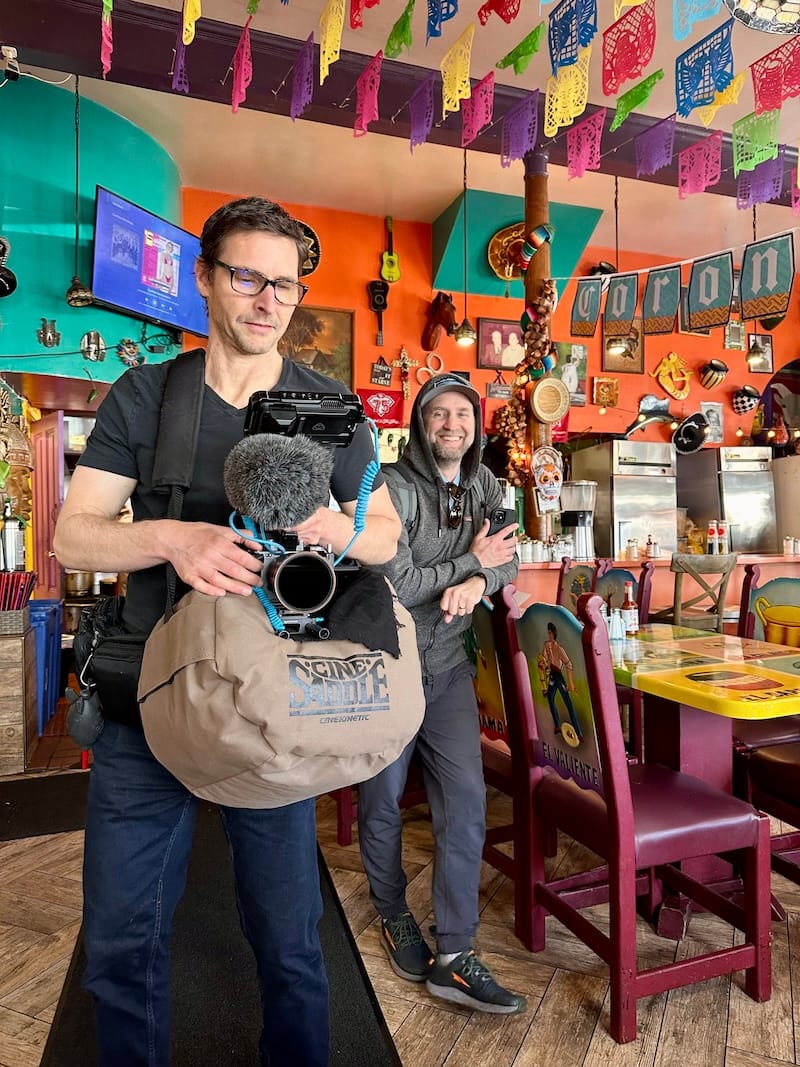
(364,491)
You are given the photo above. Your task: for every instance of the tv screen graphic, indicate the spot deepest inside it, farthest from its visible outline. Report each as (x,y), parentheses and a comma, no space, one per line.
(144,265)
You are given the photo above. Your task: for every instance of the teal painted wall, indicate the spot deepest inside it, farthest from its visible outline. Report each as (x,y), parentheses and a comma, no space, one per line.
(486,214)
(37,216)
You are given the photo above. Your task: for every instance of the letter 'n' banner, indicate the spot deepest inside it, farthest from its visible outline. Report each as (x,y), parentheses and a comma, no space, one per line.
(586,307)
(662,297)
(765,283)
(710,291)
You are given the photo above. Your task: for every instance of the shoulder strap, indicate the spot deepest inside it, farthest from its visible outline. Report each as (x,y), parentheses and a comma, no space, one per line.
(405,494)
(176,444)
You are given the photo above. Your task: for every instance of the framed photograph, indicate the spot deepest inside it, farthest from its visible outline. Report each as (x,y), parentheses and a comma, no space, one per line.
(683,315)
(624,355)
(712,413)
(734,335)
(571,369)
(605,392)
(322,339)
(759,353)
(500,344)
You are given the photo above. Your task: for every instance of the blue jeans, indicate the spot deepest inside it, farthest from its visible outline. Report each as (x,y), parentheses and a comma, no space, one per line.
(450,748)
(138,838)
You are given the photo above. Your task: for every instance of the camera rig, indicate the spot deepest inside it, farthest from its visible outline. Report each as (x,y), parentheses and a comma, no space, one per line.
(299,581)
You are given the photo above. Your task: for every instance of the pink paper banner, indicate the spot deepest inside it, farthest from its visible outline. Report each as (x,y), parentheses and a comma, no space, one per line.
(367,95)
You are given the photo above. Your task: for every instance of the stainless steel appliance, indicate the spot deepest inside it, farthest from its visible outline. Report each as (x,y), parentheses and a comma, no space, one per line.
(577,513)
(786,479)
(734,484)
(636,493)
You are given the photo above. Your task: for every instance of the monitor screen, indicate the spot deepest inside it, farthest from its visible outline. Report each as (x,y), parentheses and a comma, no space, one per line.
(144,265)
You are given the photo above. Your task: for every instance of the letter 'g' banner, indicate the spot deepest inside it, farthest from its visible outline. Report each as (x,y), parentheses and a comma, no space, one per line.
(765,284)
(662,297)
(586,307)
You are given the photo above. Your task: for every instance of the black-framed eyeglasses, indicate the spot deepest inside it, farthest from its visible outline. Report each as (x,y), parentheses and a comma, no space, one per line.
(455,515)
(248,282)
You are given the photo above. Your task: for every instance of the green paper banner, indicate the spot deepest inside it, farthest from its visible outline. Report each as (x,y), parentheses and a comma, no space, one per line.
(621,301)
(586,307)
(710,291)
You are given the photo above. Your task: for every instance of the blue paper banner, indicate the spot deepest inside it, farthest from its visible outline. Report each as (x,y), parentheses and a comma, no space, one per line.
(621,301)
(662,297)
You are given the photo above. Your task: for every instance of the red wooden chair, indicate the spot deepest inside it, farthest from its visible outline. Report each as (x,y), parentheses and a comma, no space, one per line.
(749,734)
(574,579)
(773,786)
(644,820)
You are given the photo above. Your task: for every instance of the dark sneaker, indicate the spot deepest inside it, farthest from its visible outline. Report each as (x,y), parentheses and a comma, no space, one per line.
(405,946)
(467,980)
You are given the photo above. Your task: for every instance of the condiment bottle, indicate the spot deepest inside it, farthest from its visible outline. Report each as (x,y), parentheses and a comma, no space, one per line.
(723,538)
(630,612)
(712,539)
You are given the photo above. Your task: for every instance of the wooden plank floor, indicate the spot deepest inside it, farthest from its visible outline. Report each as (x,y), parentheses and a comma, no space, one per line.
(709,1025)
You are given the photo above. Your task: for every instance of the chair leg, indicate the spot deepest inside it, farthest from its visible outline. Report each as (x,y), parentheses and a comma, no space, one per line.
(758,978)
(541,834)
(345,814)
(623,963)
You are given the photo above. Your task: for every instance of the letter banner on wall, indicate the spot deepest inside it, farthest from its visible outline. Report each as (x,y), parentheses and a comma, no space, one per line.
(586,307)
(710,291)
(662,296)
(621,300)
(765,284)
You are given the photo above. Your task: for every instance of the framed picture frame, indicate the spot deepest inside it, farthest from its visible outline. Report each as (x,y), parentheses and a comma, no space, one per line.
(571,369)
(712,412)
(322,339)
(630,357)
(683,315)
(605,392)
(734,335)
(500,344)
(759,353)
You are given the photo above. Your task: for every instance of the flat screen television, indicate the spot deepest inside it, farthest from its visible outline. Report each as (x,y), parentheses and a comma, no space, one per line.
(144,265)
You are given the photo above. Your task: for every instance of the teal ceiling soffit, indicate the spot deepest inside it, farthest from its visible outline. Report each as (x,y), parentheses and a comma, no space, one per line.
(486,214)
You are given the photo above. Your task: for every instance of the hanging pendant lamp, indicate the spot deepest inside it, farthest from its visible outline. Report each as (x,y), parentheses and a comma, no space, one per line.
(465,334)
(78,295)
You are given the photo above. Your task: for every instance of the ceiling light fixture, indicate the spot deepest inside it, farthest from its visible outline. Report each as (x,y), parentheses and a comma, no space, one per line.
(78,295)
(465,334)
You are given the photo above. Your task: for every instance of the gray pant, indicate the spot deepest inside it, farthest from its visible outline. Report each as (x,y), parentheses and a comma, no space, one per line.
(449,745)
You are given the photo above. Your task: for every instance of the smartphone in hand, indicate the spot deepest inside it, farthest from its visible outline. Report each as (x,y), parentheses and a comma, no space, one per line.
(499,518)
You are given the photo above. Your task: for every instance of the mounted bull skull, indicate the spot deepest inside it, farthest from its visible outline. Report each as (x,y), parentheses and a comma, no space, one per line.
(441,316)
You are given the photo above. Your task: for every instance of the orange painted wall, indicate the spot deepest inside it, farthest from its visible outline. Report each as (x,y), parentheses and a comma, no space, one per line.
(351,255)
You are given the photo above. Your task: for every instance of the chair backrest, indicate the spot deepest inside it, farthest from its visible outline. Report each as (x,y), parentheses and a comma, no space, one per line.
(611,584)
(770,612)
(513,669)
(572,691)
(488,683)
(574,579)
(707,585)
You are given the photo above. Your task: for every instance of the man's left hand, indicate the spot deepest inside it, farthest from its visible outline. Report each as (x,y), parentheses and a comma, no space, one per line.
(461,599)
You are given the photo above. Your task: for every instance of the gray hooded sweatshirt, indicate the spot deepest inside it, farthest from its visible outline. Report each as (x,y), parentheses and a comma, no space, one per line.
(430,556)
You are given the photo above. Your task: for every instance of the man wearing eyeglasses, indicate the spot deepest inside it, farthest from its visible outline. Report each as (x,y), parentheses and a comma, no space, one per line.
(446,561)
(140,818)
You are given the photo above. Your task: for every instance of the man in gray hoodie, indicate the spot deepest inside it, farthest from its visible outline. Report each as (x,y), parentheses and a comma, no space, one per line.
(446,561)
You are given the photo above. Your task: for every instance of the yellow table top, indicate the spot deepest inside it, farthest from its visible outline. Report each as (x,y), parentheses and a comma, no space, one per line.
(731,676)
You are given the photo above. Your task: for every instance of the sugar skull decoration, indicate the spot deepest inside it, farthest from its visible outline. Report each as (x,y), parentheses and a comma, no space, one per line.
(547,468)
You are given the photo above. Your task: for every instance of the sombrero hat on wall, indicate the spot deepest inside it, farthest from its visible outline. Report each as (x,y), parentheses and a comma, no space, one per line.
(503,251)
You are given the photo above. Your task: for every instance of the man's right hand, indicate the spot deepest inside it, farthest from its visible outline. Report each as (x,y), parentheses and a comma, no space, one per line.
(213,559)
(496,550)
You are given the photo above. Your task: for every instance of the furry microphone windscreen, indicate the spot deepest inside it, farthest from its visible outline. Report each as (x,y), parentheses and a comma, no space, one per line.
(278,481)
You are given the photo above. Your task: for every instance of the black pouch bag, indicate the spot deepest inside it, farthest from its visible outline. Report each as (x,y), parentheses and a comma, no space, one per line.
(110,659)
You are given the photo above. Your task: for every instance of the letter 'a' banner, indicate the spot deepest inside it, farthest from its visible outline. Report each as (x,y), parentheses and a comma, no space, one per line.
(586,307)
(710,291)
(662,297)
(765,284)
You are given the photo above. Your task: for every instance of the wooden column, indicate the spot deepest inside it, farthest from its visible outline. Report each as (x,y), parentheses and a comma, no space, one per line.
(537,211)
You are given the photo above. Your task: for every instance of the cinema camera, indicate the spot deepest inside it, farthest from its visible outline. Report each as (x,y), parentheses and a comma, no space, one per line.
(301,580)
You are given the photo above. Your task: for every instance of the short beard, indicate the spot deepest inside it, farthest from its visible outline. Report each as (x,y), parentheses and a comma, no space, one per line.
(448,455)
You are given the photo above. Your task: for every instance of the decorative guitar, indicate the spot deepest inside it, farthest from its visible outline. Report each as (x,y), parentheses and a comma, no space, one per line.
(378,294)
(390,263)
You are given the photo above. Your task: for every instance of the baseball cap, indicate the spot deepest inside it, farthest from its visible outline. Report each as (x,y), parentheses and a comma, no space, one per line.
(449,383)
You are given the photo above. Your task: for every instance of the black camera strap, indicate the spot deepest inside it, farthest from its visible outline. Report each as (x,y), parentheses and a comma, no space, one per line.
(176,444)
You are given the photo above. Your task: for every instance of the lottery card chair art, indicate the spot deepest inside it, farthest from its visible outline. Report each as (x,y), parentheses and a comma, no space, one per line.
(642,819)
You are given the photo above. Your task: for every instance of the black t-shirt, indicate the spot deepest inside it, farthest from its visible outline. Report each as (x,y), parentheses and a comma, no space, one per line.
(123,442)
